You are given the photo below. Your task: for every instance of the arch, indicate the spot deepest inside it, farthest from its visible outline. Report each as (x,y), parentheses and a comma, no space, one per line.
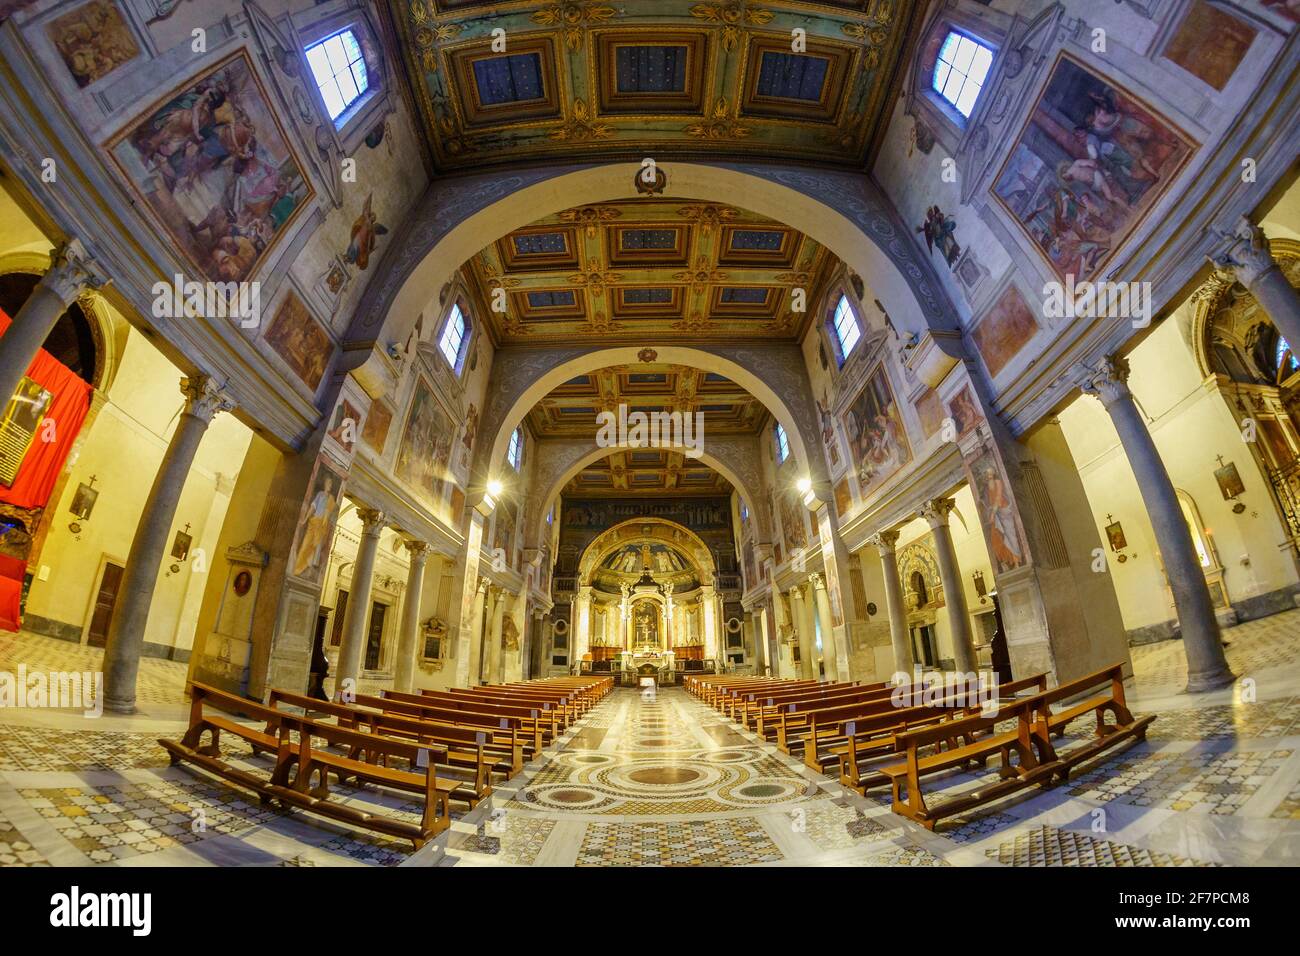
(845,212)
(776,377)
(580,457)
(616,536)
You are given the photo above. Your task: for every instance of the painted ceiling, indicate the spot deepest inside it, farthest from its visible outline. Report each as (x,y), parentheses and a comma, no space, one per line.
(585,79)
(666,269)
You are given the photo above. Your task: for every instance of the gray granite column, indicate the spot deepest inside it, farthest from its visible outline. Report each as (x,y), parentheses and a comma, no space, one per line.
(354,628)
(1249,260)
(936,514)
(153,531)
(886,543)
(71,271)
(408,640)
(1207,668)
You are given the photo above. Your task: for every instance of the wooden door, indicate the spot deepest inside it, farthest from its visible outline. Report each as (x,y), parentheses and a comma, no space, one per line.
(375,636)
(105,602)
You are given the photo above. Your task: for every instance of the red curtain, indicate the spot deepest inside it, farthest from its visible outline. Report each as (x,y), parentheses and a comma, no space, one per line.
(68,408)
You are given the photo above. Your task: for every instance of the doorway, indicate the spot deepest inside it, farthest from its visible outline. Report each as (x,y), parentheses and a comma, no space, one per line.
(924,649)
(101,618)
(375,636)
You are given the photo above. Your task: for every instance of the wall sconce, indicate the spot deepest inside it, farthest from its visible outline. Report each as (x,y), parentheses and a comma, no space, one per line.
(1230,484)
(980,587)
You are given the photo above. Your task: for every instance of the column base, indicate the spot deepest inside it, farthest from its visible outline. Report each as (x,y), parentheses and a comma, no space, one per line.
(119,706)
(1200,683)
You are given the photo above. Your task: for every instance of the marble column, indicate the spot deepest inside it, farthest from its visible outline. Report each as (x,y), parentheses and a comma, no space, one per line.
(495,637)
(823,607)
(71,271)
(886,543)
(408,641)
(1251,263)
(1207,668)
(712,646)
(582,623)
(358,616)
(936,514)
(803,629)
(151,542)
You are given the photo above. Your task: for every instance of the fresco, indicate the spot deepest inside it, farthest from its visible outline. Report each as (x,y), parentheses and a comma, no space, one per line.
(1209,43)
(997,510)
(878,444)
(929,409)
(316,527)
(300,340)
(93,41)
(964,411)
(1089,164)
(375,431)
(213,165)
(792,522)
(1005,330)
(425,450)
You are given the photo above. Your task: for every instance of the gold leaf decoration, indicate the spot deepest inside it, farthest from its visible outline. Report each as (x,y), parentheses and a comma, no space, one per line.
(575,17)
(582,126)
(720,122)
(731,16)
(590,217)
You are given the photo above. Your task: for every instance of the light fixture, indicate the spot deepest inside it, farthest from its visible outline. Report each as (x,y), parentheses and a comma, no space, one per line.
(494,488)
(804,485)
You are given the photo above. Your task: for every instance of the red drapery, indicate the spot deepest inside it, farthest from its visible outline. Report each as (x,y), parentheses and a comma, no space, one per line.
(44,461)
(40,469)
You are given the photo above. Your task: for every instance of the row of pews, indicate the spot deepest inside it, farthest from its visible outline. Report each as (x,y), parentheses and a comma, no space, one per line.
(872,735)
(440,745)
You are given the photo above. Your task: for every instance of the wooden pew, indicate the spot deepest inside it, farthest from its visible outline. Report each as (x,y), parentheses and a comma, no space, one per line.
(299,759)
(550,719)
(1039,762)
(534,727)
(470,754)
(982,739)
(866,741)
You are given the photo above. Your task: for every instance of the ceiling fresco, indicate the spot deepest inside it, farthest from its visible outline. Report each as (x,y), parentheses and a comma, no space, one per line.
(673,270)
(587,79)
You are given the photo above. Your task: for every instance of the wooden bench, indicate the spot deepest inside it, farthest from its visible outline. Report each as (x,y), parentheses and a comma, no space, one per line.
(871,738)
(978,738)
(1029,739)
(469,754)
(299,760)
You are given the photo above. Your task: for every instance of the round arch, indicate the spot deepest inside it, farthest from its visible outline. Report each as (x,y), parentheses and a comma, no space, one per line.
(640,529)
(845,212)
(551,494)
(534,380)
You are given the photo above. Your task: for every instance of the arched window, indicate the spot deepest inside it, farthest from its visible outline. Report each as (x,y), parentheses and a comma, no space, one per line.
(1287,361)
(845,325)
(1193,519)
(452,341)
(515,453)
(782,444)
(339,69)
(960,71)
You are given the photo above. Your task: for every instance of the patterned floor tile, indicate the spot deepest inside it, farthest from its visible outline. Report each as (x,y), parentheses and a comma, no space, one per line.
(731,842)
(1049,846)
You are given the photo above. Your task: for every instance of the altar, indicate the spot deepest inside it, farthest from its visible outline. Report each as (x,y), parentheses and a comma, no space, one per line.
(653,663)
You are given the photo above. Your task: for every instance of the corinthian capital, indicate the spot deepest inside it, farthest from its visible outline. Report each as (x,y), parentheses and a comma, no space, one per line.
(1246,255)
(936,512)
(815,579)
(203,399)
(71,271)
(1106,381)
(885,542)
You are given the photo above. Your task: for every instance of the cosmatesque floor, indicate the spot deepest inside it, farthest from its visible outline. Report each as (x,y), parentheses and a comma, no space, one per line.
(663,780)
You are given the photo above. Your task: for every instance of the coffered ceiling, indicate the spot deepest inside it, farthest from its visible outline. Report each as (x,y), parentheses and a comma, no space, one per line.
(588,79)
(667,270)
(570,412)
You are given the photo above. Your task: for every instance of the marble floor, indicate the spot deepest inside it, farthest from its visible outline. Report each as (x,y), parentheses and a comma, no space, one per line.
(664,780)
